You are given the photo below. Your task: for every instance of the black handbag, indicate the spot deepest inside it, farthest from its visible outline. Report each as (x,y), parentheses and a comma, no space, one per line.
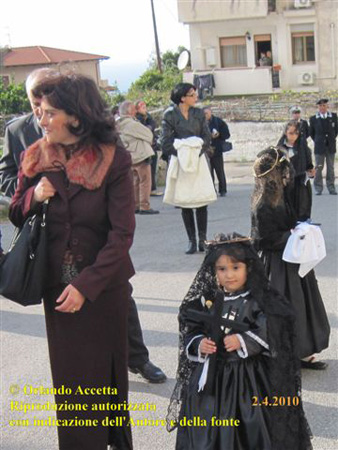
(23,268)
(226,146)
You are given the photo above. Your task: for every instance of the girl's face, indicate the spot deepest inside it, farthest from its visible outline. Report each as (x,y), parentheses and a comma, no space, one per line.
(231,274)
(291,135)
(55,124)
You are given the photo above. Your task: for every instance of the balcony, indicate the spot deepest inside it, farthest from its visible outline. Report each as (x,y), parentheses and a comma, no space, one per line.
(216,10)
(240,81)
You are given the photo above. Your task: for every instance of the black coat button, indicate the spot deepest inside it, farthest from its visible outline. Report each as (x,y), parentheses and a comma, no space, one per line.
(75,241)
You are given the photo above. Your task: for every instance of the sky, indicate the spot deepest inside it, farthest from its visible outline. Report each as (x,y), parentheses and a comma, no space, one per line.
(120,29)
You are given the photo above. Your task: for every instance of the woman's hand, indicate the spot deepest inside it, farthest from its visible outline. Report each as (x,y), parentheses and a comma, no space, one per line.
(43,190)
(231,343)
(207,346)
(71,300)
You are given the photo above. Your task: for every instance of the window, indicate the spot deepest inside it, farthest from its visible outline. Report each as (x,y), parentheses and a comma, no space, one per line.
(233,52)
(262,45)
(303,47)
(271,5)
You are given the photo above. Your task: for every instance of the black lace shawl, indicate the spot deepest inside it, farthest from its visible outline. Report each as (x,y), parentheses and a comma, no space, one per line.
(289,428)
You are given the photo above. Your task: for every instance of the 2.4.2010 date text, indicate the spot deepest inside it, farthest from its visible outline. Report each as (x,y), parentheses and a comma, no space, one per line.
(276,401)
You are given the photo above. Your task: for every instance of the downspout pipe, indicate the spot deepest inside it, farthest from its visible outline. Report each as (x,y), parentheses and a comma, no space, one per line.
(333,53)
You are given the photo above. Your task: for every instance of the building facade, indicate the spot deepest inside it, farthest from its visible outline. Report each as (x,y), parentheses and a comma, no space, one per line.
(263,46)
(17,63)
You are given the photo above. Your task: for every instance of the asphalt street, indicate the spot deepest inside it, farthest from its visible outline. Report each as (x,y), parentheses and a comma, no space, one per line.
(163,276)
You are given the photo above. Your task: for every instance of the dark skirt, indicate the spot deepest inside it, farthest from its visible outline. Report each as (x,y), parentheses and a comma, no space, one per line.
(312,325)
(88,349)
(302,198)
(235,385)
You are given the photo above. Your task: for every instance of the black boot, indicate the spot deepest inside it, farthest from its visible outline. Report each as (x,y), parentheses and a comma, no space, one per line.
(201,245)
(202,218)
(192,247)
(189,223)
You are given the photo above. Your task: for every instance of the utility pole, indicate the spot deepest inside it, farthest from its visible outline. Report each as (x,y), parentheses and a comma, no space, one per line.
(158,54)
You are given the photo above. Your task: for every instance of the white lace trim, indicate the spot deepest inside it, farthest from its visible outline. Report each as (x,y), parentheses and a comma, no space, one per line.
(199,358)
(235,297)
(258,339)
(243,351)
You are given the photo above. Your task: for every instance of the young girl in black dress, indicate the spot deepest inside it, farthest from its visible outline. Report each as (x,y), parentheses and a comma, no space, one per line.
(240,390)
(274,215)
(299,154)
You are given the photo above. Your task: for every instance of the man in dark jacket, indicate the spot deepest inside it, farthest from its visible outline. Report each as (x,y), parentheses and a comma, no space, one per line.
(20,134)
(323,131)
(219,132)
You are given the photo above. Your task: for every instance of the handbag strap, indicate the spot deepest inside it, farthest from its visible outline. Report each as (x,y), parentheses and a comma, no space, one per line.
(18,230)
(44,212)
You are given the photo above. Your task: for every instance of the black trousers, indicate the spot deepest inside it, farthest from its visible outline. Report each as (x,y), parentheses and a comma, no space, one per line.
(217,165)
(153,171)
(138,352)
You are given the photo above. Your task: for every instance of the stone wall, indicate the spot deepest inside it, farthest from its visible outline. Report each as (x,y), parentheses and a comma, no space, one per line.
(249,138)
(255,121)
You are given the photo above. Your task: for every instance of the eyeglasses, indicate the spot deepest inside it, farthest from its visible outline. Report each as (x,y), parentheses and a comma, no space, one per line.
(191,95)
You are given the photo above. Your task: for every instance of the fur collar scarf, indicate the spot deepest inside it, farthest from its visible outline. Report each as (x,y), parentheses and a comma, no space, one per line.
(86,167)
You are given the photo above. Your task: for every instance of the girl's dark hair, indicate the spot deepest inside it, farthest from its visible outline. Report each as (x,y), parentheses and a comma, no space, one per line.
(292,123)
(79,96)
(179,91)
(244,252)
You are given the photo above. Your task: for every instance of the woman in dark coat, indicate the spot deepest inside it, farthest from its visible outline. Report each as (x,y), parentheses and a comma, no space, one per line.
(82,169)
(299,154)
(180,121)
(273,218)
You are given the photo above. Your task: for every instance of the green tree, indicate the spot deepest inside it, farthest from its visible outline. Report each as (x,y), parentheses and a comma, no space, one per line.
(13,98)
(155,87)
(169,59)
(112,98)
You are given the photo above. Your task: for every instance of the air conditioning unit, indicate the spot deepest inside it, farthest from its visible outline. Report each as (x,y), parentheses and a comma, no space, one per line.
(303,3)
(306,78)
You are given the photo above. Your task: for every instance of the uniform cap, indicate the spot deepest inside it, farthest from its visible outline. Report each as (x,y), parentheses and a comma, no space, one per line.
(322,101)
(296,109)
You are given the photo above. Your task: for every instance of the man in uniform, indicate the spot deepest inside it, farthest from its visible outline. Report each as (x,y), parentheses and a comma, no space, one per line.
(296,112)
(323,131)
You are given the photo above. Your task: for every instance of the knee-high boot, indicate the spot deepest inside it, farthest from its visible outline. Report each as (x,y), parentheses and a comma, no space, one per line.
(202,219)
(189,223)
